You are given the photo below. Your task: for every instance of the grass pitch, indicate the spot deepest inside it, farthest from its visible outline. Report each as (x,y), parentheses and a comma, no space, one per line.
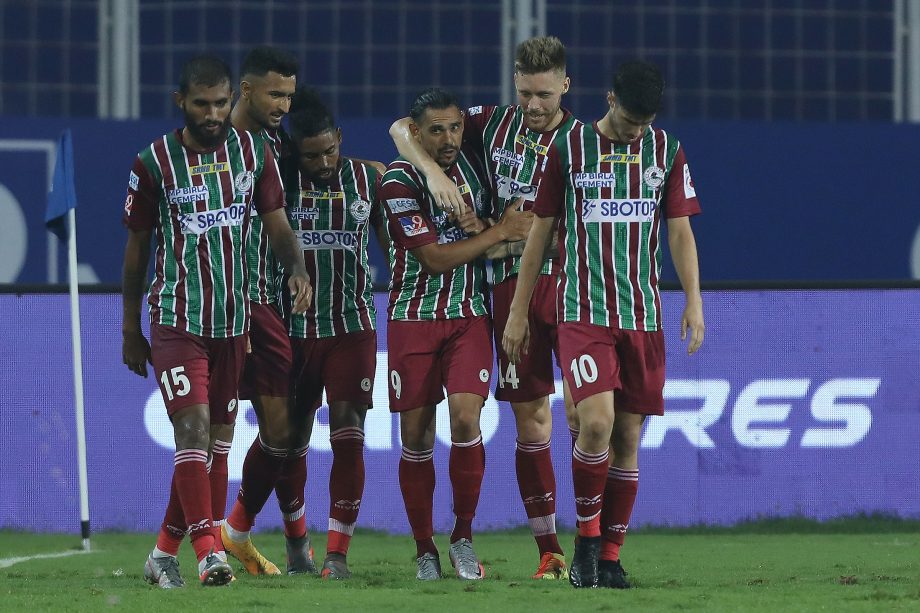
(786,565)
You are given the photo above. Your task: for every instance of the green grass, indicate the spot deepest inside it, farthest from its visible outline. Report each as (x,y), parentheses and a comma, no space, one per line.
(859,564)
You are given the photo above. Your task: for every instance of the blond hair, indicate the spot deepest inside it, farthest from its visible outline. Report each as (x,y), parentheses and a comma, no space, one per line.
(540,54)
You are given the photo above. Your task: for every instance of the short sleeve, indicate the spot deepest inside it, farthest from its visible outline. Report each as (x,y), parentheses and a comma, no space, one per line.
(140,212)
(408,225)
(551,192)
(679,192)
(269,193)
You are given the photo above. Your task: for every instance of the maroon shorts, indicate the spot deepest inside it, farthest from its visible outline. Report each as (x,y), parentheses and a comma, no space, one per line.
(268,366)
(342,365)
(598,359)
(532,378)
(194,369)
(427,356)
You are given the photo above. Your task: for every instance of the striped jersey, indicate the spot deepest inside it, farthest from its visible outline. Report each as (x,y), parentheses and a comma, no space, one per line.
(414,220)
(198,205)
(259,257)
(516,157)
(611,199)
(331,223)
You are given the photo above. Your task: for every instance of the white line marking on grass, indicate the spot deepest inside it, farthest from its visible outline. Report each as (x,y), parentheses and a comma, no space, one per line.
(7,562)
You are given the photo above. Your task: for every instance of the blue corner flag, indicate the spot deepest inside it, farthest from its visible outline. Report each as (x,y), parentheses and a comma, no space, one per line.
(63,195)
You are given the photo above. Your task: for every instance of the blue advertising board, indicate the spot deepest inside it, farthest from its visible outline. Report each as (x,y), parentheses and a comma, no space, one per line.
(799,403)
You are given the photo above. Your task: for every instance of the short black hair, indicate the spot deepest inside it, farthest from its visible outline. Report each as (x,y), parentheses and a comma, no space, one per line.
(431,98)
(262,60)
(309,116)
(639,87)
(206,69)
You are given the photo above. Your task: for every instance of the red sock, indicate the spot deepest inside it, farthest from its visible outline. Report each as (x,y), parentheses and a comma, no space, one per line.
(467,465)
(619,499)
(589,473)
(289,488)
(261,469)
(416,482)
(217,475)
(346,486)
(537,483)
(172,531)
(194,489)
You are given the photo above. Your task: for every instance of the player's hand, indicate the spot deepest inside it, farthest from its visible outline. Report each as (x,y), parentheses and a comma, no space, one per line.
(301,293)
(468,221)
(516,339)
(135,352)
(515,223)
(445,194)
(693,319)
(248,345)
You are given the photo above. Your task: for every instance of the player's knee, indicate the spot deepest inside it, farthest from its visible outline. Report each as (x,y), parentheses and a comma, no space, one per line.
(464,426)
(191,433)
(346,415)
(594,429)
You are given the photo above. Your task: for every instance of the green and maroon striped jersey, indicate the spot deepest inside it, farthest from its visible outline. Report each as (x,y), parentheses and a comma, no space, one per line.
(414,220)
(264,270)
(198,205)
(331,223)
(610,202)
(516,158)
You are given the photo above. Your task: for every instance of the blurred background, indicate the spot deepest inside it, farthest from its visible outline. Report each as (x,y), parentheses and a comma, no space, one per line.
(799,118)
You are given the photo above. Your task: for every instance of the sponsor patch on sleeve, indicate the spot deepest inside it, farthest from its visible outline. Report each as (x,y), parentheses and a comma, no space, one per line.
(133,181)
(402,205)
(689,190)
(413,225)
(474,110)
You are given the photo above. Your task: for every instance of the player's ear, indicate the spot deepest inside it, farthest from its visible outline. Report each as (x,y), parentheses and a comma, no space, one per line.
(245,89)
(611,99)
(566,83)
(338,135)
(178,99)
(413,129)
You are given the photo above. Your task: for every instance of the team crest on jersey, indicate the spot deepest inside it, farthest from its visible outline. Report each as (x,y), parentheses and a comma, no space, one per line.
(207,169)
(133,181)
(621,158)
(243,182)
(360,210)
(529,144)
(413,225)
(654,177)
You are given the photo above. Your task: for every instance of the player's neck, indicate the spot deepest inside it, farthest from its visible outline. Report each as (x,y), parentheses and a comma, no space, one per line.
(189,141)
(557,119)
(605,127)
(242,120)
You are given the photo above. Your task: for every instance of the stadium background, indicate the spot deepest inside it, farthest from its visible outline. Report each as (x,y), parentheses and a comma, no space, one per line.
(798,120)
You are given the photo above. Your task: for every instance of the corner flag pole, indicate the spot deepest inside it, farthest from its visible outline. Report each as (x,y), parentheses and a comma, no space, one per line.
(62,203)
(78,376)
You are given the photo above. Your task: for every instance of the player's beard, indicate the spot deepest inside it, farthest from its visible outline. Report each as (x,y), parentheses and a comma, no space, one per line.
(207,139)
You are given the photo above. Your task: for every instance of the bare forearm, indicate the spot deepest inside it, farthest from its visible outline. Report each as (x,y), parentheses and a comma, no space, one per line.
(531,263)
(686,263)
(438,259)
(411,149)
(133,283)
(287,250)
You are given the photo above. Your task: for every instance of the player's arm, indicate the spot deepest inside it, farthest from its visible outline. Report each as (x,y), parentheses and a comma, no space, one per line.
(444,191)
(683,253)
(437,259)
(269,200)
(287,250)
(135,350)
(516,338)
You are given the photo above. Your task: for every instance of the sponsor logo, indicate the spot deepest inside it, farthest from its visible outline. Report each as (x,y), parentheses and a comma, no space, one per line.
(451,235)
(509,188)
(689,190)
(529,144)
(348,505)
(302,213)
(129,204)
(204,524)
(360,210)
(413,226)
(243,182)
(402,205)
(654,177)
(618,528)
(201,222)
(595,179)
(207,169)
(366,384)
(616,210)
(133,181)
(231,406)
(586,500)
(474,110)
(187,195)
(320,194)
(327,239)
(503,156)
(463,189)
(620,158)
(547,497)
(483,375)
